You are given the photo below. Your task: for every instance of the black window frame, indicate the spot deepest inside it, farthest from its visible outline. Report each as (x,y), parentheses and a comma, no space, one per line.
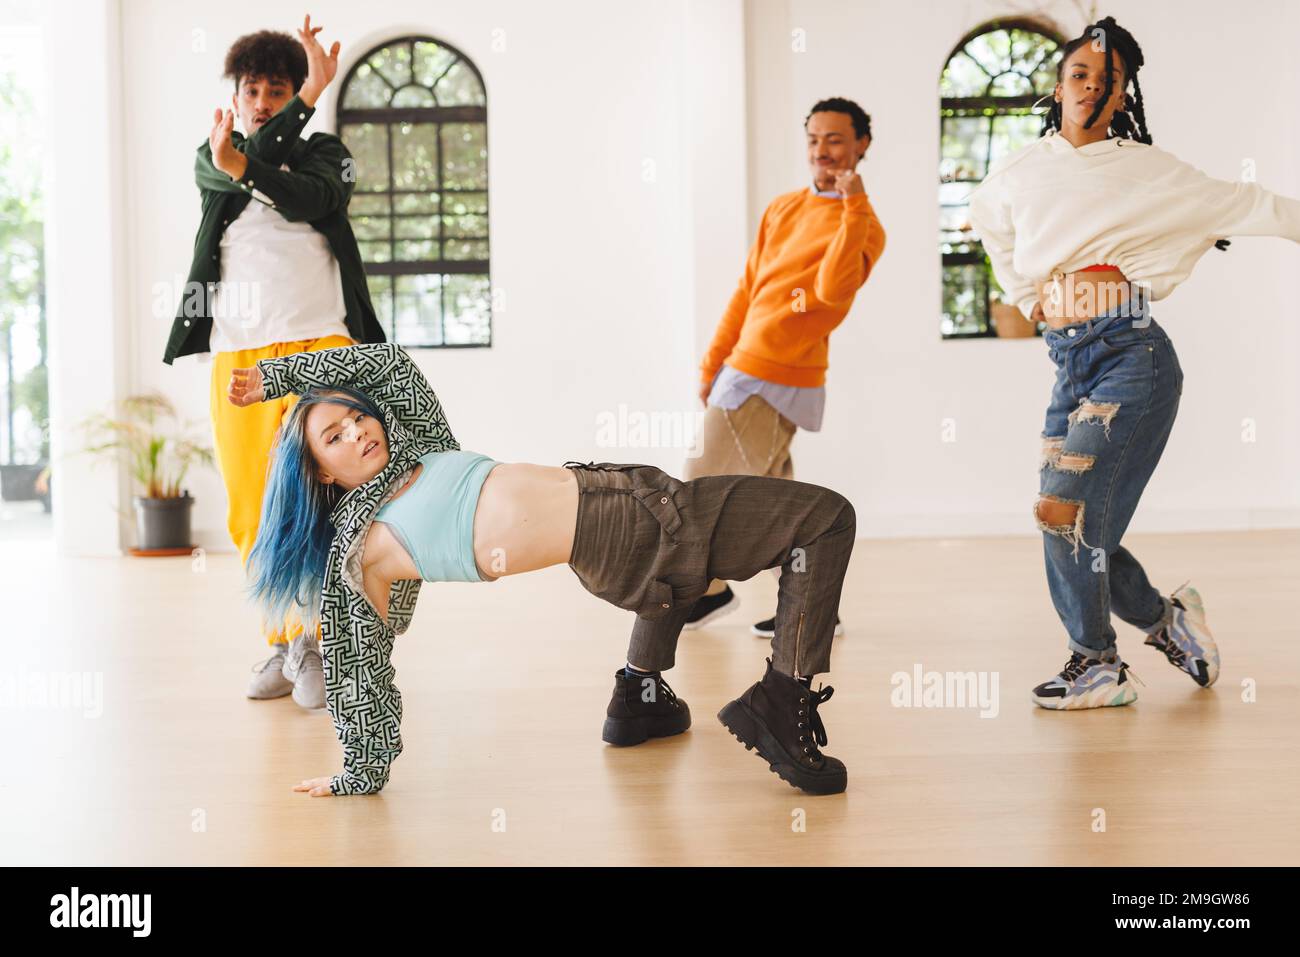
(390,117)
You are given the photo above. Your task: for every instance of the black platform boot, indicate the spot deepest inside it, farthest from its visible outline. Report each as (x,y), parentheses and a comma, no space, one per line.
(631,718)
(778,716)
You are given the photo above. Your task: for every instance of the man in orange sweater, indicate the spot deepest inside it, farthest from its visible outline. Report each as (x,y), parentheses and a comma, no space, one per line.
(765,371)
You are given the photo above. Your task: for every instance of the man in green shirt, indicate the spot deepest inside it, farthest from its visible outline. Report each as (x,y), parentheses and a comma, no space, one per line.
(276,271)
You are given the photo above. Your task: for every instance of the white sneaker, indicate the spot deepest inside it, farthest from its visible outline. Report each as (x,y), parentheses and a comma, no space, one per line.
(1086,683)
(302,667)
(1187,641)
(268,679)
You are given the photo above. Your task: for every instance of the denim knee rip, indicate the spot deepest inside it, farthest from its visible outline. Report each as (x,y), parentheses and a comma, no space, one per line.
(1073,532)
(1089,411)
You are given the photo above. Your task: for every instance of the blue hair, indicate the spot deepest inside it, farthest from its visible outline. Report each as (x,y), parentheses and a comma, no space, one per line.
(286,567)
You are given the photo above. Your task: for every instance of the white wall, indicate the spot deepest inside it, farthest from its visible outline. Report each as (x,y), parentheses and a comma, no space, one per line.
(605,126)
(86,285)
(1218,90)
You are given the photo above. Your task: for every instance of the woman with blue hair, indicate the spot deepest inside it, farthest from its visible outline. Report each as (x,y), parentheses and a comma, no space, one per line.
(369,494)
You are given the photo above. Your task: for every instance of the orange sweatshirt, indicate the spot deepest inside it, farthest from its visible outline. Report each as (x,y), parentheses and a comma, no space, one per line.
(811,255)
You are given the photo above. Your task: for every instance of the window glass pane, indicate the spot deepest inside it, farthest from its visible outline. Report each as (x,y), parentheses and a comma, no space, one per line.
(370,227)
(962,77)
(468,308)
(375,252)
(460,203)
(362,205)
(416,227)
(460,87)
(415,203)
(366,90)
(415,156)
(1045,77)
(469,227)
(991,50)
(1011,132)
(416,250)
(431,61)
(464,155)
(963,148)
(393,63)
(964,300)
(418,304)
(413,96)
(368,144)
(465,249)
(1027,49)
(1011,84)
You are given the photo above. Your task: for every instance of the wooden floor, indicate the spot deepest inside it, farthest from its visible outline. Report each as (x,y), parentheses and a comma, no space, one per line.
(505,687)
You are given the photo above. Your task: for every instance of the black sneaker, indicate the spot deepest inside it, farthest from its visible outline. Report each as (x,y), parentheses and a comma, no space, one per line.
(708,607)
(643,708)
(778,717)
(767,628)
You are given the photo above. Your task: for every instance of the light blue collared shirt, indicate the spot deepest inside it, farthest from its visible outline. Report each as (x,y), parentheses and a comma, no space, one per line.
(802,405)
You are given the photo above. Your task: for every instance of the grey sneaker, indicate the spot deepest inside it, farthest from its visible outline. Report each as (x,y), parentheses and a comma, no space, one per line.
(268,679)
(1187,641)
(302,667)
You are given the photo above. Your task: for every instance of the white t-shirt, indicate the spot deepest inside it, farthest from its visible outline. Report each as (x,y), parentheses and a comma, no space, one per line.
(279,282)
(1053,207)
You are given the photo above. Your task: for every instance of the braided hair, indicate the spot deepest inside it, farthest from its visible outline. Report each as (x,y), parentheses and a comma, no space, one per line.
(1129,122)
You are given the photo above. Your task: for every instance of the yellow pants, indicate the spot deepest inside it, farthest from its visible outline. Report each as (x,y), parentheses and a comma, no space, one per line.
(243,438)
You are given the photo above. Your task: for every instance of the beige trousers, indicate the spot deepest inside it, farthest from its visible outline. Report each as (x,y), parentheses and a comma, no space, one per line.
(751,440)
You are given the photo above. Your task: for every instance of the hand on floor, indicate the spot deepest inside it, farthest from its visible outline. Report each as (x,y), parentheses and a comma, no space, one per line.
(316,787)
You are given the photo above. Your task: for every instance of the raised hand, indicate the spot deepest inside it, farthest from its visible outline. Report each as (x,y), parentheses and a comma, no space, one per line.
(848,183)
(224,155)
(321,67)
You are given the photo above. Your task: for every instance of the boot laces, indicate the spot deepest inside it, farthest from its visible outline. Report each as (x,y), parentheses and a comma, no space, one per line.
(669,695)
(811,721)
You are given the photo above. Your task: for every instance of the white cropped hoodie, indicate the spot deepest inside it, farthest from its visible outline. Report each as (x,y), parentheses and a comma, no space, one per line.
(1052,207)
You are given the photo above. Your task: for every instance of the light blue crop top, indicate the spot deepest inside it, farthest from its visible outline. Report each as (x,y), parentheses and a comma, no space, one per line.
(434,518)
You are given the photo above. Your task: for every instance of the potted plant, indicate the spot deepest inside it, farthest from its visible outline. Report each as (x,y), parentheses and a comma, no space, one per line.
(160,452)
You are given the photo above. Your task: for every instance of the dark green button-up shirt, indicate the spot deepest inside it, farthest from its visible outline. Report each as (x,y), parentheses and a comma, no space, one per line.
(315,189)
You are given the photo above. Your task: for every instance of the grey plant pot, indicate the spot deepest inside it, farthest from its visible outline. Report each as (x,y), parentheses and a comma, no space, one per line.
(163,522)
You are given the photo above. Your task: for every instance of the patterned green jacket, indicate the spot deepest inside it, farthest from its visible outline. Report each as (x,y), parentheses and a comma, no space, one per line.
(363,702)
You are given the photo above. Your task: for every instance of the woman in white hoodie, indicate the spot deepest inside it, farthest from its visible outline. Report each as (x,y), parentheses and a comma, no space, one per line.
(1084,228)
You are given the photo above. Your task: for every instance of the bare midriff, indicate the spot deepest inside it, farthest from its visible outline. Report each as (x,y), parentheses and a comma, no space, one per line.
(1083,294)
(525,518)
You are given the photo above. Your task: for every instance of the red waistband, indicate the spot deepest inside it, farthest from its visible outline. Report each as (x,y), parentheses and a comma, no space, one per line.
(1097,267)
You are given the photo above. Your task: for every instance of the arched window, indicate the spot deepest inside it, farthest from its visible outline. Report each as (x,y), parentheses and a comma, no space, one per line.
(989,83)
(414,115)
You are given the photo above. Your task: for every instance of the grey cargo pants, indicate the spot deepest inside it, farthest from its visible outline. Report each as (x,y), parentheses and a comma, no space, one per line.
(650,543)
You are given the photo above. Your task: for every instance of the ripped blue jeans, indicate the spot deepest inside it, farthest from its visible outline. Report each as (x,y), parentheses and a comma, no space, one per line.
(1118,384)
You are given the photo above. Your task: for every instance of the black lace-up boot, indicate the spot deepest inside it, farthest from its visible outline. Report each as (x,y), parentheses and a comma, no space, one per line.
(778,716)
(641,708)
